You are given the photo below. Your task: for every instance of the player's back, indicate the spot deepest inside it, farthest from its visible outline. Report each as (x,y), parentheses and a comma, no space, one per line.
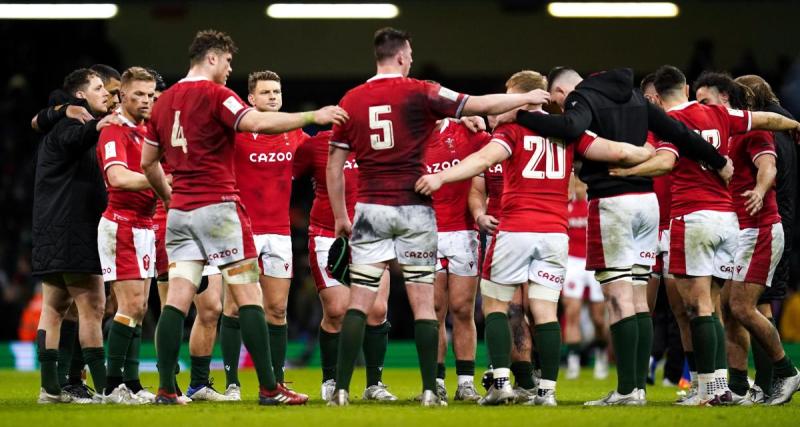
(744,151)
(578,214)
(694,186)
(391,118)
(194,122)
(536,180)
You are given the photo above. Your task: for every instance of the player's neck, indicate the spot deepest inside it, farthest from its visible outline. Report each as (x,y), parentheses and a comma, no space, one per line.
(199,71)
(671,102)
(128,116)
(389,69)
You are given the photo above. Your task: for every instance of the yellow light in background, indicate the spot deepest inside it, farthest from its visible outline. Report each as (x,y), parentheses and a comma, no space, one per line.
(613,10)
(332,11)
(58,11)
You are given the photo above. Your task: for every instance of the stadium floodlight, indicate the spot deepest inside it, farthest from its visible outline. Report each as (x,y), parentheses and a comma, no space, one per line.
(613,10)
(332,11)
(58,11)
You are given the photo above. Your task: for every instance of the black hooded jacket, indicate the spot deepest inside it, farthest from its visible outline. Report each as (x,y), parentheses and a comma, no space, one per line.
(608,105)
(69,197)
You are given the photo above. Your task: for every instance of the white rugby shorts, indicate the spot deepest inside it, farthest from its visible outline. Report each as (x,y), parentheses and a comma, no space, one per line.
(703,243)
(622,231)
(382,233)
(274,255)
(126,252)
(457,253)
(578,279)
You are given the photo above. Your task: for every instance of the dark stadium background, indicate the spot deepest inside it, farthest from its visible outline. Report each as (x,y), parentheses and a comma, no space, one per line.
(470,46)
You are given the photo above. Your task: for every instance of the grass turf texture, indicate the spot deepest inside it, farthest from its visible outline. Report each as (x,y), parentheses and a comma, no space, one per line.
(18,407)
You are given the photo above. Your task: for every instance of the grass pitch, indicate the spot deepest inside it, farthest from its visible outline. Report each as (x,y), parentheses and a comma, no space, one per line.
(19,391)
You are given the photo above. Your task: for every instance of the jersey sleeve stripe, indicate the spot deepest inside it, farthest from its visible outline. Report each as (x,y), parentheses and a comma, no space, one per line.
(239,118)
(749,120)
(671,150)
(153,143)
(503,143)
(583,148)
(761,153)
(341,145)
(109,164)
(461,106)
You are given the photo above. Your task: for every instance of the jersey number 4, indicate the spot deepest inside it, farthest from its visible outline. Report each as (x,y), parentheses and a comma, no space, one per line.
(178,140)
(554,159)
(385,140)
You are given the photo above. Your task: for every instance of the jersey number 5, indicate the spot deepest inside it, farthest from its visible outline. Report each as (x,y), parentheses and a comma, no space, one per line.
(386,140)
(178,140)
(554,156)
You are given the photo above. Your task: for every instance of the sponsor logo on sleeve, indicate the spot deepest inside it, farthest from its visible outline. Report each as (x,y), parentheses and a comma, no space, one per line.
(448,94)
(233,104)
(737,113)
(111,149)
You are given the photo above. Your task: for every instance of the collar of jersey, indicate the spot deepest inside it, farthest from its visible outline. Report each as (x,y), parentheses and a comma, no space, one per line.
(194,79)
(385,76)
(682,106)
(124,119)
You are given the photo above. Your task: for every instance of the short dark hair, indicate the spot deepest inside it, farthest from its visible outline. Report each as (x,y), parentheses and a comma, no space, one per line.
(78,80)
(257,76)
(160,85)
(106,72)
(207,40)
(668,78)
(556,73)
(388,41)
(723,82)
(647,80)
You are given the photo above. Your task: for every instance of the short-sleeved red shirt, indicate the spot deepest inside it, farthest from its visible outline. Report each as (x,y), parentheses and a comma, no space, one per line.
(744,151)
(578,217)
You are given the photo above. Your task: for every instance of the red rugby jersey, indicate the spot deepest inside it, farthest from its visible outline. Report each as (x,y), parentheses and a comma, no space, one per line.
(264,178)
(195,122)
(391,119)
(744,151)
(494,190)
(577,216)
(446,148)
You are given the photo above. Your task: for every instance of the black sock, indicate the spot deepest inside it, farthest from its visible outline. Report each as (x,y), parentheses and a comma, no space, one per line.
(66,343)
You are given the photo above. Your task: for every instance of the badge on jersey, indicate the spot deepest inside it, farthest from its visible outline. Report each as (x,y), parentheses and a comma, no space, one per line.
(111,149)
(448,94)
(233,104)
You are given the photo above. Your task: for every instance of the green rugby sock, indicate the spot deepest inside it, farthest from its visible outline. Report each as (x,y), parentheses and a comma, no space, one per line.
(548,340)
(350,341)
(201,367)
(441,371)
(690,360)
(256,340)
(48,364)
(643,348)
(230,340)
(426,336)
(497,334)
(130,372)
(96,361)
(523,374)
(169,334)
(66,346)
(704,341)
(574,348)
(119,340)
(278,338)
(625,339)
(784,368)
(721,359)
(328,349)
(465,367)
(737,381)
(376,339)
(763,364)
(77,363)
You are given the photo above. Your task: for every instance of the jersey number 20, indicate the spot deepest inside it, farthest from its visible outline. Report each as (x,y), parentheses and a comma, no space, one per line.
(385,140)
(554,159)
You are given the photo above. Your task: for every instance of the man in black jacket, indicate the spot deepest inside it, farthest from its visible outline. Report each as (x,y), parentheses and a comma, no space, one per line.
(69,197)
(623,215)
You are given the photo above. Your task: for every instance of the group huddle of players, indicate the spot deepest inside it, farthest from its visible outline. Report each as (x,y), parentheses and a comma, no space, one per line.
(410,176)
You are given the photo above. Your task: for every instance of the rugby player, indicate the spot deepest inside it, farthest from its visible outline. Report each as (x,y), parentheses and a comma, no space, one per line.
(193,125)
(391,118)
(760,247)
(311,160)
(701,202)
(125,238)
(532,243)
(578,282)
(264,179)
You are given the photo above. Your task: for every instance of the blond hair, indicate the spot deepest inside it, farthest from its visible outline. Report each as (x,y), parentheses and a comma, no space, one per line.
(136,74)
(526,81)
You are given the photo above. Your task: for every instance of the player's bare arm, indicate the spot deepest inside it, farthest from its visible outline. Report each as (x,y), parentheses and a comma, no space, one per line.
(661,164)
(620,153)
(274,122)
(500,103)
(334,177)
(477,206)
(155,174)
(763,120)
(473,165)
(125,179)
(475,124)
(764,181)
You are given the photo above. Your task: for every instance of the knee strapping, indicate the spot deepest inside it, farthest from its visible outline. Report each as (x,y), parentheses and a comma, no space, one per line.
(608,275)
(241,273)
(541,292)
(640,274)
(418,273)
(366,276)
(189,270)
(497,291)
